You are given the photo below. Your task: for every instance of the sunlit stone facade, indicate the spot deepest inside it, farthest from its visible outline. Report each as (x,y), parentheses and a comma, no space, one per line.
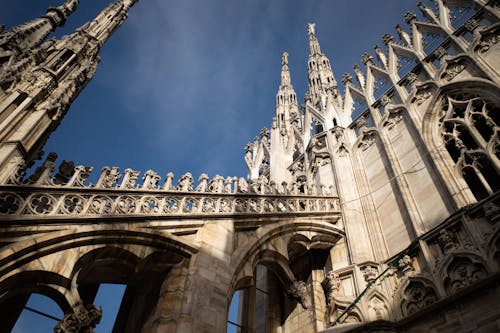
(369,208)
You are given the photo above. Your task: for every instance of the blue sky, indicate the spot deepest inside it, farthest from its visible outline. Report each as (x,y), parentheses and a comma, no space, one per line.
(183,85)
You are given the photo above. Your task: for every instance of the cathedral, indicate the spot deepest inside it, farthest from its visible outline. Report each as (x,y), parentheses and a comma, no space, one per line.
(370,206)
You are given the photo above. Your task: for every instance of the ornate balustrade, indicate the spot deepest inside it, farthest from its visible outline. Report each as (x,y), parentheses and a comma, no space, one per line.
(31,201)
(65,193)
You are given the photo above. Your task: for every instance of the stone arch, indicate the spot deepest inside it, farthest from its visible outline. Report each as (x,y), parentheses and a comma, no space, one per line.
(275,238)
(289,291)
(127,249)
(460,270)
(45,283)
(277,263)
(25,253)
(354,315)
(297,244)
(17,289)
(112,257)
(414,293)
(452,168)
(377,306)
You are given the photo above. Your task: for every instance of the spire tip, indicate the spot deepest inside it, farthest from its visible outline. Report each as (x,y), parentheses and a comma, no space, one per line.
(311,28)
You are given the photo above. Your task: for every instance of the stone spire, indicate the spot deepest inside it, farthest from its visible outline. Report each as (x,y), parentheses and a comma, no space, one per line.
(108,20)
(320,74)
(313,41)
(35,102)
(285,72)
(24,37)
(285,125)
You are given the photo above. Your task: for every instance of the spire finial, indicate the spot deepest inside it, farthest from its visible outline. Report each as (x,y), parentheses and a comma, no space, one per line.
(311,28)
(284,58)
(285,73)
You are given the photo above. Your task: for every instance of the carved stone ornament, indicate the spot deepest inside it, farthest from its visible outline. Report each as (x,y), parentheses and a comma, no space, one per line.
(367,140)
(447,241)
(387,39)
(150,180)
(367,59)
(491,211)
(452,69)
(185,183)
(298,291)
(393,118)
(333,284)
(369,273)
(411,77)
(384,100)
(488,38)
(417,296)
(347,79)
(85,321)
(109,177)
(422,93)
(463,272)
(405,264)
(409,17)
(17,167)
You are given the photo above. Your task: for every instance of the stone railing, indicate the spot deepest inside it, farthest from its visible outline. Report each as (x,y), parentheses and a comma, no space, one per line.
(29,201)
(71,176)
(65,193)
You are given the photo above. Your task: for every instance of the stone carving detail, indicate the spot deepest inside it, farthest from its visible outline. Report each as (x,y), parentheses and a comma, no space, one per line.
(41,176)
(403,35)
(422,93)
(80,176)
(469,130)
(150,180)
(185,183)
(447,241)
(387,39)
(10,203)
(18,171)
(488,38)
(453,68)
(417,296)
(129,179)
(367,59)
(409,17)
(405,264)
(84,321)
(370,273)
(367,140)
(333,284)
(491,211)
(56,203)
(298,291)
(393,118)
(346,79)
(377,309)
(109,177)
(461,273)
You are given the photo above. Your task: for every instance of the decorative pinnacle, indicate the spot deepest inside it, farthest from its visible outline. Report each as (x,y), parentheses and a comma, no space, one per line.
(285,72)
(284,58)
(311,28)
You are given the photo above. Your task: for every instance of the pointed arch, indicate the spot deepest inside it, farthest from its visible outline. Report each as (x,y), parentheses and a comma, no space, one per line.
(450,130)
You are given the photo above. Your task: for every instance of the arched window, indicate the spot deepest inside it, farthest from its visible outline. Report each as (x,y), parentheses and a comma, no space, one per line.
(469,128)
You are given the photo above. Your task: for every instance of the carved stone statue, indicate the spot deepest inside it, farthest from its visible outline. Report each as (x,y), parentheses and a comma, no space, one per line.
(298,291)
(311,28)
